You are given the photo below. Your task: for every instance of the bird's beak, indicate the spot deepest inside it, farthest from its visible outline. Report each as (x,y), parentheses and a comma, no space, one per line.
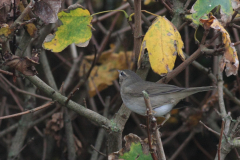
(119,71)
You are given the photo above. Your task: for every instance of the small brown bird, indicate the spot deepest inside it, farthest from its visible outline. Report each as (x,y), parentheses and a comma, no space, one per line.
(163,97)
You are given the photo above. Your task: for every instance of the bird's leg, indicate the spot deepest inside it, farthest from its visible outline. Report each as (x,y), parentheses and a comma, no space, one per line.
(165,120)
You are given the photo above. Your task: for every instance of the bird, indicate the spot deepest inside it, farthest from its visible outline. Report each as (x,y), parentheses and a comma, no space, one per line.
(163,97)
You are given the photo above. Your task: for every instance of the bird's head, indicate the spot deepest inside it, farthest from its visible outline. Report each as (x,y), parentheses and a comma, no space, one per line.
(128,77)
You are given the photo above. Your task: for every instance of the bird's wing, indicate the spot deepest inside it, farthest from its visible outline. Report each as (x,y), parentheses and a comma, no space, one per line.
(153,89)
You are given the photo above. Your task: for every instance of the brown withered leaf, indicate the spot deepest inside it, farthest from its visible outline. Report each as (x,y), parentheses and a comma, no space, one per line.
(47,10)
(78,145)
(211,101)
(236,5)
(24,65)
(5,9)
(55,124)
(191,116)
(5,3)
(5,6)
(230,58)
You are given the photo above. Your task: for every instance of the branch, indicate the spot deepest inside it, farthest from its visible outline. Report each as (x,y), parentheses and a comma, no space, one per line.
(220,90)
(81,110)
(137,30)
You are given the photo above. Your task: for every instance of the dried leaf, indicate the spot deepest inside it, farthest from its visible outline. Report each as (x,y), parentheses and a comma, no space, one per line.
(5,31)
(55,124)
(24,65)
(5,3)
(135,148)
(163,42)
(47,10)
(5,7)
(230,58)
(236,5)
(103,75)
(78,145)
(211,101)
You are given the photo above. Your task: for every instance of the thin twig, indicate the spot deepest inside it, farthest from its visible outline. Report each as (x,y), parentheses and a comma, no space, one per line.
(234,15)
(173,134)
(22,91)
(29,111)
(98,93)
(235,26)
(202,149)
(71,95)
(220,140)
(167,6)
(29,141)
(98,151)
(93,63)
(183,145)
(209,128)
(187,4)
(6,72)
(2,108)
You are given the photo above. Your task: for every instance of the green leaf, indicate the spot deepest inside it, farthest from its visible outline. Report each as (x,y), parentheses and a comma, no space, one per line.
(202,7)
(75,28)
(136,151)
(135,148)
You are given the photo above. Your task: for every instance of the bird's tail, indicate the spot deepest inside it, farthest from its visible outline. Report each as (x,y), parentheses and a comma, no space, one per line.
(199,89)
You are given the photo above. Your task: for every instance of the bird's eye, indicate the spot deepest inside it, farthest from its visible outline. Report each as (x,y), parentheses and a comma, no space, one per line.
(122,73)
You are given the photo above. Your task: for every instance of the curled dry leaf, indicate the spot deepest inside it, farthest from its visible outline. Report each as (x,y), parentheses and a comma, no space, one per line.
(163,42)
(135,148)
(47,10)
(191,117)
(211,101)
(78,145)
(55,124)
(230,58)
(5,7)
(236,5)
(24,65)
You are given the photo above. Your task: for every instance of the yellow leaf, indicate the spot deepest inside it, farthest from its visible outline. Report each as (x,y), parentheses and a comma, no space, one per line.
(4,30)
(146,2)
(31,28)
(163,42)
(103,75)
(230,58)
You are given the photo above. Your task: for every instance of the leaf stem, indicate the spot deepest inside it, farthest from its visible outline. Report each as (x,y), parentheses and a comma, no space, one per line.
(130,17)
(126,15)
